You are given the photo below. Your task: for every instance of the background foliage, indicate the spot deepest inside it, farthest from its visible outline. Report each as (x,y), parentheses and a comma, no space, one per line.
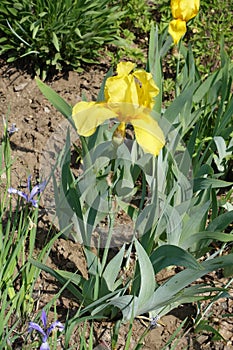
(54,34)
(67,33)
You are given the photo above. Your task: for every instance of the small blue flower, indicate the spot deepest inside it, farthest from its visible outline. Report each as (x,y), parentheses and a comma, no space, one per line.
(154,322)
(29,197)
(12,129)
(46,331)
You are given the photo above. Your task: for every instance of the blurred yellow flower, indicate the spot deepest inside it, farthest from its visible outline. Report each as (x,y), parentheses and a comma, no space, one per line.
(129,97)
(182,12)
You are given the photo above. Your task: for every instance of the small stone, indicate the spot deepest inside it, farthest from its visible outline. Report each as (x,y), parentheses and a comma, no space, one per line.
(33,105)
(47,110)
(228,347)
(202,339)
(20,87)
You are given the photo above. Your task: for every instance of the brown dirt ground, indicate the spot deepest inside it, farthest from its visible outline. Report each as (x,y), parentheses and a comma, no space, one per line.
(23,104)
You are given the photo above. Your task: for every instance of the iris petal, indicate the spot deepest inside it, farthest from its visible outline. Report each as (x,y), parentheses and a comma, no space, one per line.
(54,325)
(124,68)
(121,89)
(185,9)
(29,183)
(44,318)
(12,190)
(177,28)
(124,111)
(36,327)
(34,202)
(44,346)
(146,88)
(148,134)
(88,115)
(37,190)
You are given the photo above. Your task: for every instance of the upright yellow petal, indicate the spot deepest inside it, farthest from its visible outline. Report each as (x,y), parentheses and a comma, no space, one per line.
(124,68)
(177,28)
(88,115)
(146,88)
(121,89)
(148,133)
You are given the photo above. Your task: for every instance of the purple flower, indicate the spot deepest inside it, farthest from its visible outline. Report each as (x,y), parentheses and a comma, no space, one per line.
(29,197)
(45,332)
(154,322)
(12,129)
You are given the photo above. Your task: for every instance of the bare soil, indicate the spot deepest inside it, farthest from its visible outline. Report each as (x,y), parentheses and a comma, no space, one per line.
(22,103)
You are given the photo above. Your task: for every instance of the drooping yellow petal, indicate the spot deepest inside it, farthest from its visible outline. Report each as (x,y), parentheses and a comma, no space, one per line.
(124,68)
(185,9)
(148,133)
(88,115)
(177,28)
(146,88)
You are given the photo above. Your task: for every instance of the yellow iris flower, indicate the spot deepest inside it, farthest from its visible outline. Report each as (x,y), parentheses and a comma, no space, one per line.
(182,12)
(129,97)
